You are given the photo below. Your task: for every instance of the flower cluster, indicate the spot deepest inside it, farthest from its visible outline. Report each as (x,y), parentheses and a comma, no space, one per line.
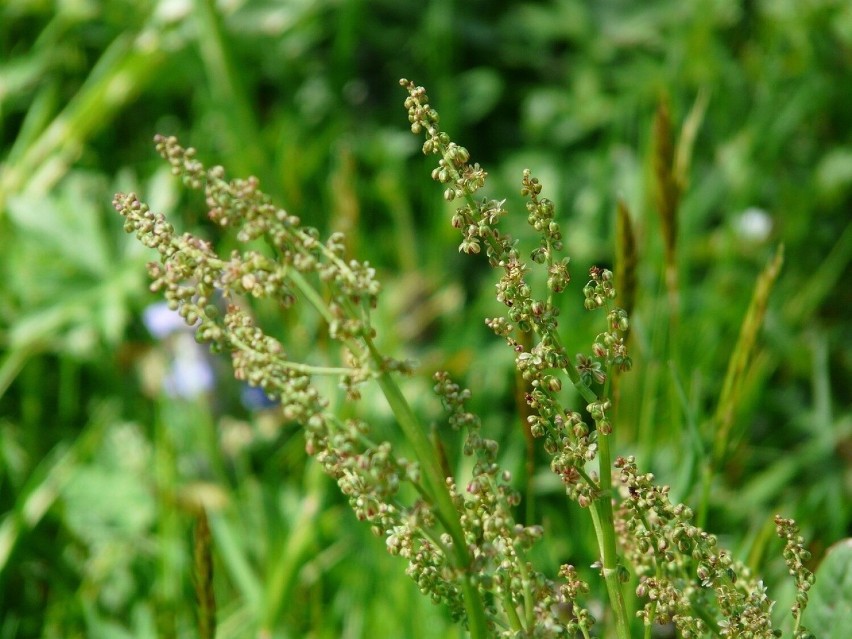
(477,220)
(499,544)
(684,578)
(459,535)
(468,556)
(680,567)
(198,283)
(796,556)
(540,365)
(192,277)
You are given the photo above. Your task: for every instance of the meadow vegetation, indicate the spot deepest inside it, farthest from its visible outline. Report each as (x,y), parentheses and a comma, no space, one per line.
(636,263)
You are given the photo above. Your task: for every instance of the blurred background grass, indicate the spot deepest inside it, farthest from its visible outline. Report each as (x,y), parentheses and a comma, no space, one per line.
(101,470)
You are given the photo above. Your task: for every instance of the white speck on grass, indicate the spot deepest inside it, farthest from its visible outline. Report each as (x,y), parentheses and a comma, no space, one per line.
(753,225)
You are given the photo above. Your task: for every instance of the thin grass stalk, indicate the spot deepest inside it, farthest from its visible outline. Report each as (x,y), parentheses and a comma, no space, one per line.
(236,562)
(741,359)
(228,90)
(124,69)
(285,568)
(203,576)
(626,260)
(742,356)
(686,141)
(667,195)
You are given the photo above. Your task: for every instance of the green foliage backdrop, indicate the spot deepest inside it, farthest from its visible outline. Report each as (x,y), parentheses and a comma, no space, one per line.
(101,471)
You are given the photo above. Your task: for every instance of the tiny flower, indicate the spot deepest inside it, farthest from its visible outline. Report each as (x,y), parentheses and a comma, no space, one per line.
(590,370)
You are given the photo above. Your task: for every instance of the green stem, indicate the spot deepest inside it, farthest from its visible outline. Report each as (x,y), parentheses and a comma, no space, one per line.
(511,613)
(283,572)
(704,499)
(602,514)
(310,294)
(529,599)
(649,625)
(436,483)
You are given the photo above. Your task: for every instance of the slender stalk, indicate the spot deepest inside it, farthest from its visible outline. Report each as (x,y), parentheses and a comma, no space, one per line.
(511,613)
(283,572)
(445,509)
(605,530)
(203,576)
(429,462)
(602,512)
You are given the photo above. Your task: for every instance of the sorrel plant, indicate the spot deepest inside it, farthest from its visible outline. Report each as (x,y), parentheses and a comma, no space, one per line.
(461,536)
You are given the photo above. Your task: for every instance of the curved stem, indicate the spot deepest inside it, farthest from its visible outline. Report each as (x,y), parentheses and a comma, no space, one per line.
(433,475)
(437,486)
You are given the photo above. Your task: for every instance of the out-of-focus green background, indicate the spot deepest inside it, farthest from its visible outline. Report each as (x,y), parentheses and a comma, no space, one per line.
(102,455)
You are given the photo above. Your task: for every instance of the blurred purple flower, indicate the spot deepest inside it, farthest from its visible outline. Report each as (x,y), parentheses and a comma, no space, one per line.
(161,321)
(254,398)
(190,373)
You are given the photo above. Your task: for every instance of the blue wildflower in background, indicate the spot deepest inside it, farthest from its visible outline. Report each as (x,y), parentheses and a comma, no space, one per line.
(190,372)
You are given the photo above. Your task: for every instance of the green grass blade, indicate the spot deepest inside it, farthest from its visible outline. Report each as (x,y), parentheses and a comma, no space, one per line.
(742,357)
(124,69)
(46,482)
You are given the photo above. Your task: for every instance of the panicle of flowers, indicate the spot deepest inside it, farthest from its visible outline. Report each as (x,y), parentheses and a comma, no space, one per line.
(193,277)
(567,438)
(796,556)
(540,357)
(529,601)
(609,348)
(683,575)
(198,283)
(477,221)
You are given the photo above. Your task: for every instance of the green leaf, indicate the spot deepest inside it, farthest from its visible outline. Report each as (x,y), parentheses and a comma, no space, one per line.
(66,223)
(829,611)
